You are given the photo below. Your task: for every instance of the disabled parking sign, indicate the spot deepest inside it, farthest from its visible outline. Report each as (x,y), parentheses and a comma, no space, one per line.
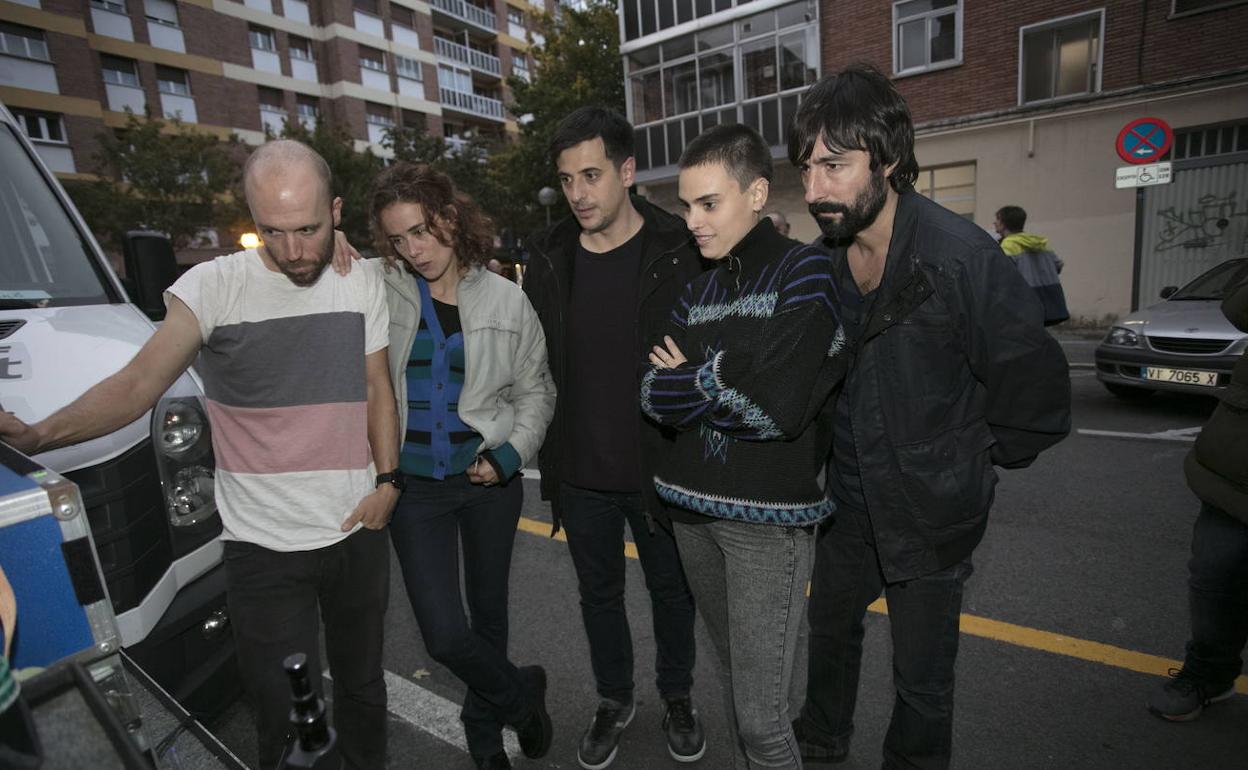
(1144,140)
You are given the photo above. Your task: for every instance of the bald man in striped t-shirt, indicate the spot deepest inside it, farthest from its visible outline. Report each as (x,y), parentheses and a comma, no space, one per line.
(293,359)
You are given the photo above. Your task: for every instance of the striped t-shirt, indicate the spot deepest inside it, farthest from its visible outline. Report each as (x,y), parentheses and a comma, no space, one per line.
(283,370)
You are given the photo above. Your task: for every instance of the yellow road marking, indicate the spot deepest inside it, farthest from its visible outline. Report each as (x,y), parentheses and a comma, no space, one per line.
(1000,631)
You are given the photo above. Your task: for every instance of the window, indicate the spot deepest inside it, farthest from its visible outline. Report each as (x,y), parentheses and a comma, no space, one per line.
(271,99)
(454,79)
(119,71)
(23,41)
(306,108)
(109,5)
(515,16)
(403,17)
(300,48)
(367,6)
(927,35)
(1204,141)
(173,81)
(372,59)
(161,11)
(407,68)
(261,38)
(378,115)
(414,121)
(1060,58)
(951,186)
(1189,7)
(41,126)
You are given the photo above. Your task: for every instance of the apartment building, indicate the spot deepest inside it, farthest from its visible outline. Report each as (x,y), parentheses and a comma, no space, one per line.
(69,69)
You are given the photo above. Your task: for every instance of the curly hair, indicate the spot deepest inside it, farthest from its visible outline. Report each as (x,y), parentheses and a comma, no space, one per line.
(453,218)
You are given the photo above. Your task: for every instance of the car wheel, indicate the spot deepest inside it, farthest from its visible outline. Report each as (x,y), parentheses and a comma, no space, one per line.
(1128,392)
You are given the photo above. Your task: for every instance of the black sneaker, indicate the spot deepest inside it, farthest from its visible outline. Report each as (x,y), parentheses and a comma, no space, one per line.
(601,741)
(1184,697)
(535,731)
(497,761)
(685,741)
(819,751)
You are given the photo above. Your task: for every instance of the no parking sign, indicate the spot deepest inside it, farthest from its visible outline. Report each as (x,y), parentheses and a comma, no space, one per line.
(1144,140)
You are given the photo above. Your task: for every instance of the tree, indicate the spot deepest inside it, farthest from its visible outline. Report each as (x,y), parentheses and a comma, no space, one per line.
(160,175)
(578,65)
(353,173)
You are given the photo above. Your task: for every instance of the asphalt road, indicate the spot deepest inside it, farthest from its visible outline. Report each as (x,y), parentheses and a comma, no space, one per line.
(1077,604)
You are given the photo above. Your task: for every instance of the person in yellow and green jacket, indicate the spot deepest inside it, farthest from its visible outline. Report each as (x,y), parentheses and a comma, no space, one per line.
(1035,260)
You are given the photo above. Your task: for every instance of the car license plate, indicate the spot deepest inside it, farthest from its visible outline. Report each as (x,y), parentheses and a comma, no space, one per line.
(1183,376)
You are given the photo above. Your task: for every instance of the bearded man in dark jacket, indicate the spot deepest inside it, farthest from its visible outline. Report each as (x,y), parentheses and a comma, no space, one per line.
(952,373)
(1217,471)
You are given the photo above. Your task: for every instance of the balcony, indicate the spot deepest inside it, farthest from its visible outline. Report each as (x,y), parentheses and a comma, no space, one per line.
(471,104)
(266,61)
(57,157)
(125,98)
(481,62)
(111,24)
(29,74)
(469,14)
(376,79)
(404,36)
(369,24)
(165,36)
(178,106)
(296,10)
(303,69)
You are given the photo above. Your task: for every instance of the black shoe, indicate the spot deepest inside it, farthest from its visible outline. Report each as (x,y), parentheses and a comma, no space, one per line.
(601,741)
(497,761)
(1184,697)
(535,731)
(685,741)
(818,751)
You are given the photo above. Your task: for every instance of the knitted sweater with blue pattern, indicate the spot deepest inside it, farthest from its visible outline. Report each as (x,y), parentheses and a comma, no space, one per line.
(765,350)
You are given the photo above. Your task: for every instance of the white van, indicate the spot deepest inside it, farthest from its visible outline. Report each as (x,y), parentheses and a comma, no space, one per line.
(66,322)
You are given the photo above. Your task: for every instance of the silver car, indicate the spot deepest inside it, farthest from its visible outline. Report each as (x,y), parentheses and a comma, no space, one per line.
(1183,343)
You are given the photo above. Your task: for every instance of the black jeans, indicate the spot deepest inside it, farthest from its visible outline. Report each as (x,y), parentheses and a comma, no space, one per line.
(594,522)
(1218,597)
(923,616)
(431,521)
(273,598)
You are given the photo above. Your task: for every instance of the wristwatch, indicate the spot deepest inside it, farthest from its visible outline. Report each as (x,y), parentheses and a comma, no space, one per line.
(394,477)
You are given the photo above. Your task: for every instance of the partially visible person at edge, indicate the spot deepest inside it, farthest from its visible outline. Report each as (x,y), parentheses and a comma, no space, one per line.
(952,373)
(781,222)
(603,282)
(755,348)
(1035,260)
(293,359)
(474,397)
(1217,471)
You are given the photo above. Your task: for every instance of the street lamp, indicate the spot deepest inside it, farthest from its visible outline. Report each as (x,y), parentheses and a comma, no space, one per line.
(547,196)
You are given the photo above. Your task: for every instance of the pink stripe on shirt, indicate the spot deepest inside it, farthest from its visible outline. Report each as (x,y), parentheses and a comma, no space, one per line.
(289,439)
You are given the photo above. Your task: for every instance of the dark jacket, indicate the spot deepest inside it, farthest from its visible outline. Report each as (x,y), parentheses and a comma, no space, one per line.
(953,373)
(669,261)
(1217,466)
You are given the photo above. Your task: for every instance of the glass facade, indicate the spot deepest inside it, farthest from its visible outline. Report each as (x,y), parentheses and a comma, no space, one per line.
(751,70)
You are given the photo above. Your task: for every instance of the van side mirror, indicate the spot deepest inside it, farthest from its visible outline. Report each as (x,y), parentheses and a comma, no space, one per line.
(150,269)
(1168,291)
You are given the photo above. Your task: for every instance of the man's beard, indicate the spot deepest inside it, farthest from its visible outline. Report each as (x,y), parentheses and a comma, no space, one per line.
(300,274)
(858,215)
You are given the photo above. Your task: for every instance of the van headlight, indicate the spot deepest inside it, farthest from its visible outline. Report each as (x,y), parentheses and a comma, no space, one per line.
(184,457)
(1122,337)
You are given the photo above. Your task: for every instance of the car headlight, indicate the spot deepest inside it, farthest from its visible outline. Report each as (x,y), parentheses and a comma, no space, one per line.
(1122,337)
(185,460)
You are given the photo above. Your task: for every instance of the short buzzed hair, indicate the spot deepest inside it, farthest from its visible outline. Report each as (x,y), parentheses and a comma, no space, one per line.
(1013,217)
(283,153)
(738,148)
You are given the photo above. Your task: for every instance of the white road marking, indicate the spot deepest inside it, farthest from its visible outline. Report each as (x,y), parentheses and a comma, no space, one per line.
(1185,435)
(431,713)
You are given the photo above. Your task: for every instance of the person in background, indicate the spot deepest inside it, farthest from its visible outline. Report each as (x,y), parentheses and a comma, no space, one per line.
(744,375)
(603,282)
(1217,471)
(952,374)
(474,397)
(1035,260)
(781,223)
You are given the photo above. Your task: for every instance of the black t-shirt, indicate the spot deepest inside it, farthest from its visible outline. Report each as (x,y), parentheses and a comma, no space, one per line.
(603,450)
(844,478)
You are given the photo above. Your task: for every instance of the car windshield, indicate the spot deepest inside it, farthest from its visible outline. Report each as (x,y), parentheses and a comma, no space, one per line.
(1215,283)
(44,259)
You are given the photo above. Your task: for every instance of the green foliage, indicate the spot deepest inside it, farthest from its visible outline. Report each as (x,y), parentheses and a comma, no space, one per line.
(160,175)
(353,174)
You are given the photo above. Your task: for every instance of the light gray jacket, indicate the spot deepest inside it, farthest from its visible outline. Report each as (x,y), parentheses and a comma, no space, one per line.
(508,395)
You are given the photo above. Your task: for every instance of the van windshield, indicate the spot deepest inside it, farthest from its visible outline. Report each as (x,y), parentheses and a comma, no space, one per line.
(44,260)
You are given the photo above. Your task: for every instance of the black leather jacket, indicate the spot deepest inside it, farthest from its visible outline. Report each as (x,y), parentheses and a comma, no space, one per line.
(669,261)
(953,373)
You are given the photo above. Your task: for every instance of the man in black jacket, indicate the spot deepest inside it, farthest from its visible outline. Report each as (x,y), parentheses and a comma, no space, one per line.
(953,373)
(603,283)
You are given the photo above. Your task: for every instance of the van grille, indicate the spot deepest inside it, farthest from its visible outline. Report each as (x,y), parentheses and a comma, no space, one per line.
(8,327)
(1188,345)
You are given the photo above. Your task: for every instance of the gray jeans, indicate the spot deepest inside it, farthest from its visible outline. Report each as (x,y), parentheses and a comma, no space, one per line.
(749,584)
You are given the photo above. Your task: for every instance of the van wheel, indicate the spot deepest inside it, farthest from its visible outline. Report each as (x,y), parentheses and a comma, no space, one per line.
(1127,392)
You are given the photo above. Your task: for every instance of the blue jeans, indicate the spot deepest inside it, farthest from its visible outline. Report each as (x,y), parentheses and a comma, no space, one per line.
(430,522)
(274,598)
(923,616)
(594,522)
(1218,597)
(749,581)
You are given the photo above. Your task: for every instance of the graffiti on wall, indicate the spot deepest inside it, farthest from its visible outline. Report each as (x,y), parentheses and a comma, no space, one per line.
(1204,226)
